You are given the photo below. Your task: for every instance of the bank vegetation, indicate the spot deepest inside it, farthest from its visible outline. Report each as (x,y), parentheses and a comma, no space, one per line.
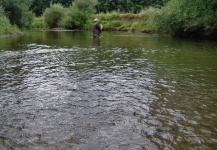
(6,27)
(184,18)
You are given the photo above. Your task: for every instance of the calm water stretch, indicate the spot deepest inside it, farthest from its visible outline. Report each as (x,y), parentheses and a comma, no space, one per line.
(64,90)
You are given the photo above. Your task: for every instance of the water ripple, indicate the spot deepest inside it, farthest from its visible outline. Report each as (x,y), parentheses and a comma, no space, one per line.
(82,98)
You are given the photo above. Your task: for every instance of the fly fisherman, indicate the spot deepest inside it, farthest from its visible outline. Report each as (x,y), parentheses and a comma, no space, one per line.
(97,28)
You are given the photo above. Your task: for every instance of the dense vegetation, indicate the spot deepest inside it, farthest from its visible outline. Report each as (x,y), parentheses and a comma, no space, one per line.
(186,18)
(77,15)
(127,6)
(6,27)
(18,12)
(134,6)
(196,18)
(38,6)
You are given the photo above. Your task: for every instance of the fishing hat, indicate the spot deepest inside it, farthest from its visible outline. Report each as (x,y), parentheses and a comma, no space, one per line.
(96,19)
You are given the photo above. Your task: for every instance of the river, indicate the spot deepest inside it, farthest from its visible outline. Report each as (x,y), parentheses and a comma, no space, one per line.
(62,90)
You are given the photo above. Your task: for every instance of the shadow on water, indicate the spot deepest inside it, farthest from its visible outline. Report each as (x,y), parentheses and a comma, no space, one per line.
(65,90)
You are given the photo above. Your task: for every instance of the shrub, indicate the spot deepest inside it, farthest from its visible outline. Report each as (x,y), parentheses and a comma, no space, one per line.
(114,15)
(147,12)
(124,26)
(128,16)
(26,19)
(116,23)
(6,27)
(78,13)
(185,15)
(124,22)
(53,15)
(163,21)
(18,12)
(134,26)
(74,19)
(38,23)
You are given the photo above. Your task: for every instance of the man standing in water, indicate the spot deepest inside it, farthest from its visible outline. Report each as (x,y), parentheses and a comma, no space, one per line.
(97,28)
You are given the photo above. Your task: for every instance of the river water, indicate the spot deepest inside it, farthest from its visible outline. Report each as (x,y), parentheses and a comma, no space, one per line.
(64,90)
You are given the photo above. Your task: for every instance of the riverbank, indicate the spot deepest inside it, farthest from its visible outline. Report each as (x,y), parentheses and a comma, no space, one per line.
(125,22)
(114,21)
(129,22)
(6,28)
(17,33)
(9,30)
(197,33)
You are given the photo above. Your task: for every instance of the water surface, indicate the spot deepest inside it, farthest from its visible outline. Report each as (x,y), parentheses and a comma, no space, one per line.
(64,90)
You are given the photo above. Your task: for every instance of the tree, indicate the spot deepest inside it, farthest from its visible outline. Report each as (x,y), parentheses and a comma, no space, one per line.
(39,6)
(53,15)
(78,14)
(6,27)
(187,17)
(127,5)
(18,12)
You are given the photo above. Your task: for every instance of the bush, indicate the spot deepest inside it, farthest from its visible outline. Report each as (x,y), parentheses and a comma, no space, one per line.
(116,23)
(128,16)
(185,16)
(124,22)
(18,12)
(38,23)
(74,20)
(26,19)
(53,15)
(147,12)
(78,13)
(124,26)
(163,21)
(6,27)
(134,26)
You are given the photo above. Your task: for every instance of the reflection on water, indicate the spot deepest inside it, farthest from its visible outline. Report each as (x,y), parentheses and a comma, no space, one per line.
(64,90)
(96,42)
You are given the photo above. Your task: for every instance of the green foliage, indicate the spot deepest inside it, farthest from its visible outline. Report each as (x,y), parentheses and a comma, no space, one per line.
(26,19)
(6,27)
(78,13)
(74,20)
(114,15)
(38,23)
(126,6)
(123,22)
(128,16)
(39,6)
(18,12)
(185,16)
(85,6)
(167,16)
(163,21)
(108,16)
(116,23)
(147,12)
(134,26)
(53,15)
(124,26)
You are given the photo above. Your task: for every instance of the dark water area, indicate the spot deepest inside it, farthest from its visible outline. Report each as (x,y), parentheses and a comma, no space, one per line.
(125,91)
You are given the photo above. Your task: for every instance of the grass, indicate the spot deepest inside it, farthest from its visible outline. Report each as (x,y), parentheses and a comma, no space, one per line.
(113,21)
(125,22)
(38,23)
(7,28)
